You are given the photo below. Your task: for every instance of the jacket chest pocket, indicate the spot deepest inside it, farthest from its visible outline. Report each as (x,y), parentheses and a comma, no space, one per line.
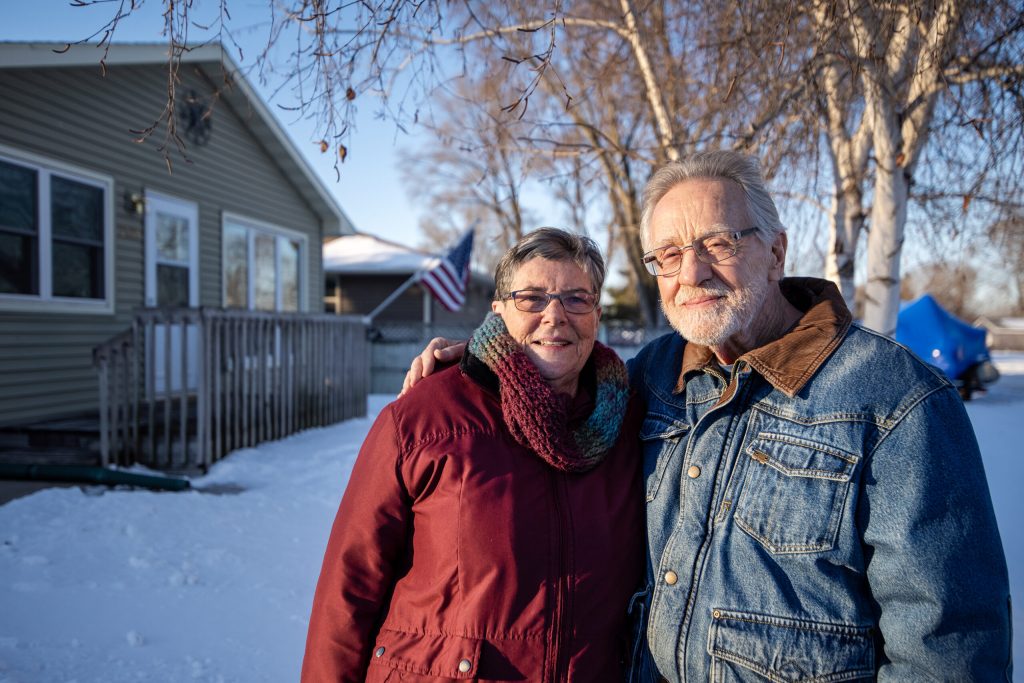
(663,441)
(794,493)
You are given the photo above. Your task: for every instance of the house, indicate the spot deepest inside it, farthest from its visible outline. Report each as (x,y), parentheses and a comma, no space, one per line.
(1004,334)
(373,277)
(95,230)
(362,272)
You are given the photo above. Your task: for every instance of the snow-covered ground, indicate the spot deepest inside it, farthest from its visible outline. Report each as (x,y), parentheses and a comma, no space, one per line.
(215,584)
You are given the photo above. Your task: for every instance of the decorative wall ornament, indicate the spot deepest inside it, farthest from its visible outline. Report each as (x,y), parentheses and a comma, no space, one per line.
(196,118)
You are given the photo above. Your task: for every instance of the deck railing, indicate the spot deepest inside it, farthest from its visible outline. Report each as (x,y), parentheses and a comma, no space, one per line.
(184,386)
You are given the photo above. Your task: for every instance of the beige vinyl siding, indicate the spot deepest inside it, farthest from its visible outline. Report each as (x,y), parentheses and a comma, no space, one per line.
(76,116)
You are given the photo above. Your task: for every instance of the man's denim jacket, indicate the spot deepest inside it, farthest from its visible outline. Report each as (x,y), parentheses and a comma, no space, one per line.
(820,513)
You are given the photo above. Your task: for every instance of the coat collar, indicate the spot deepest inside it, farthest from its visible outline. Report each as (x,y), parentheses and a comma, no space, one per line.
(789,361)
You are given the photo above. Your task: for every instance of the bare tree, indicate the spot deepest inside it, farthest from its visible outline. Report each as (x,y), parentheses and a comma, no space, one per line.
(1008,235)
(607,89)
(954,286)
(475,172)
(885,69)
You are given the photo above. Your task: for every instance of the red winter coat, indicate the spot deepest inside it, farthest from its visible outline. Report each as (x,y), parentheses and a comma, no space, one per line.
(459,554)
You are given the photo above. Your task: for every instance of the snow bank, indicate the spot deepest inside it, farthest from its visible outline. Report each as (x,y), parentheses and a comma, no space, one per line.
(215,584)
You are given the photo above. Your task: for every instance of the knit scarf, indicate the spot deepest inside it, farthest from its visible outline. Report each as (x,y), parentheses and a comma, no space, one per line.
(538,417)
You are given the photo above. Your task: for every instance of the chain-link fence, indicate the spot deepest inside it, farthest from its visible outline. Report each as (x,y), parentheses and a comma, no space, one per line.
(394,345)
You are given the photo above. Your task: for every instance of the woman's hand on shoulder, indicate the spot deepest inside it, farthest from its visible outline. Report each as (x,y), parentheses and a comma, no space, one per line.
(439,350)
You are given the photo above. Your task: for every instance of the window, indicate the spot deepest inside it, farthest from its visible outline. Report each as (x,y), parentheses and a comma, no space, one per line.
(262,266)
(56,246)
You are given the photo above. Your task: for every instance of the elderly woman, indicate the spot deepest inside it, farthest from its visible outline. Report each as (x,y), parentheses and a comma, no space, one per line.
(490,530)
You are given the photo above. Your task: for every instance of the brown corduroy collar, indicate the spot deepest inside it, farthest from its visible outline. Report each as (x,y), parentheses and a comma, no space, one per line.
(789,361)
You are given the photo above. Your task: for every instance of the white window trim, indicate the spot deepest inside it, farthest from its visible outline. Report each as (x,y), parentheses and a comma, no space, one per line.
(253,225)
(45,302)
(152,259)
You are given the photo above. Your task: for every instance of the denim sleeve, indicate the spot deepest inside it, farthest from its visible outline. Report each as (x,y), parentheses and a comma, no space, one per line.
(935,564)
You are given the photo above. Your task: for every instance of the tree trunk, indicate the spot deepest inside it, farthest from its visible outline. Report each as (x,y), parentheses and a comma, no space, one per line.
(885,244)
(845,225)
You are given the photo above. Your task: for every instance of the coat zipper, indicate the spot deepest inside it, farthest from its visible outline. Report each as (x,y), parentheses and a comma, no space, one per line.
(559,622)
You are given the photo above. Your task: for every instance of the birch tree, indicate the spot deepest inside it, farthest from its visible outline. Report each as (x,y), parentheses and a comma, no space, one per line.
(885,68)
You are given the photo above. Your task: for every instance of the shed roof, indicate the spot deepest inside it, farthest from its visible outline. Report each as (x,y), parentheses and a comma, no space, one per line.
(240,94)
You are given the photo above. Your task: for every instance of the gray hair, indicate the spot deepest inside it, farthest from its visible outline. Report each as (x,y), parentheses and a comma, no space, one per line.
(743,170)
(554,244)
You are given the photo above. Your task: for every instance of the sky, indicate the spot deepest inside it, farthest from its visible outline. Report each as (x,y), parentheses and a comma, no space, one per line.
(369,191)
(215,584)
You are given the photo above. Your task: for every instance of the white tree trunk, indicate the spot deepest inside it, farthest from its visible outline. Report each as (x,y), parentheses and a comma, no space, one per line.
(845,225)
(885,244)
(899,101)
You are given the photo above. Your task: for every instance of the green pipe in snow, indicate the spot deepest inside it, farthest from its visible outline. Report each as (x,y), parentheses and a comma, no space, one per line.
(87,474)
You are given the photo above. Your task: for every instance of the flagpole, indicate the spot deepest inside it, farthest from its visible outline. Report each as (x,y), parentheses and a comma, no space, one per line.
(416,277)
(368,318)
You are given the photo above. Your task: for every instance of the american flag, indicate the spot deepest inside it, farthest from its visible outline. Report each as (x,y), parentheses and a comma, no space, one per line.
(447,279)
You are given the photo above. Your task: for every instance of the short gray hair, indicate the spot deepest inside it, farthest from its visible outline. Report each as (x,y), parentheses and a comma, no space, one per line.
(554,244)
(743,170)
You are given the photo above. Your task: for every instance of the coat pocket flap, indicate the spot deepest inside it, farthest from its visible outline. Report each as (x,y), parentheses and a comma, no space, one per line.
(797,457)
(428,654)
(657,427)
(792,650)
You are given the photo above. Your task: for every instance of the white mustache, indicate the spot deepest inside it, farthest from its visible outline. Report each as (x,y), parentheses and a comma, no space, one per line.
(686,294)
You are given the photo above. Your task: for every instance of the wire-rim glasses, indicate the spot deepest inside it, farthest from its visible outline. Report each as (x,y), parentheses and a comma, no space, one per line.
(714,247)
(536,301)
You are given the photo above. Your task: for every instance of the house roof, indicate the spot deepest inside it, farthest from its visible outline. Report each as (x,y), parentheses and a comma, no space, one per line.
(1004,324)
(364,254)
(240,95)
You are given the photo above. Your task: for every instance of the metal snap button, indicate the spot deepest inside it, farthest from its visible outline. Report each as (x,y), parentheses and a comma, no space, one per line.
(379,652)
(671,578)
(693,472)
(465,665)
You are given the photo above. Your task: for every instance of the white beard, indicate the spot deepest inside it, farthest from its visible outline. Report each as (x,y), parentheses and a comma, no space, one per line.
(713,326)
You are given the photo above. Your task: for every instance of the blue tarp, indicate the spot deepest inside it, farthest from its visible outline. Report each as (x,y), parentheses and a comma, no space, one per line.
(938,337)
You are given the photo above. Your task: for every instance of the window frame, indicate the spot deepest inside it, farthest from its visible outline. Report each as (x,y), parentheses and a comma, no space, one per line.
(151,257)
(45,301)
(253,226)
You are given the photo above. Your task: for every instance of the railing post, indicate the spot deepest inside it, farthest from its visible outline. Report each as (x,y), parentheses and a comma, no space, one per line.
(104,418)
(136,346)
(202,391)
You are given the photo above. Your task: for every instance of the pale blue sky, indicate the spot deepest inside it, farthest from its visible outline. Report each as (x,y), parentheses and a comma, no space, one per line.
(369,191)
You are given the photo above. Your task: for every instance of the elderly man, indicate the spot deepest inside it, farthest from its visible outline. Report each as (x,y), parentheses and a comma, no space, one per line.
(817,509)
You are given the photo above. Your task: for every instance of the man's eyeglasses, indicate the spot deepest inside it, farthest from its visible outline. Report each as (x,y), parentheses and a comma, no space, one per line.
(536,301)
(714,247)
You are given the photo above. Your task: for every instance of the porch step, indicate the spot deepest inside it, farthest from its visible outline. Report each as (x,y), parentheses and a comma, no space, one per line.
(79,433)
(72,440)
(54,455)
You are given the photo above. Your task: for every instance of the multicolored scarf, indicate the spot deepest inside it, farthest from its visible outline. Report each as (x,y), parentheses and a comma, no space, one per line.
(538,417)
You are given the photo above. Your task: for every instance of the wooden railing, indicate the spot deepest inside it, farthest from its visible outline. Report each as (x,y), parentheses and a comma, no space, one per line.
(183,387)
